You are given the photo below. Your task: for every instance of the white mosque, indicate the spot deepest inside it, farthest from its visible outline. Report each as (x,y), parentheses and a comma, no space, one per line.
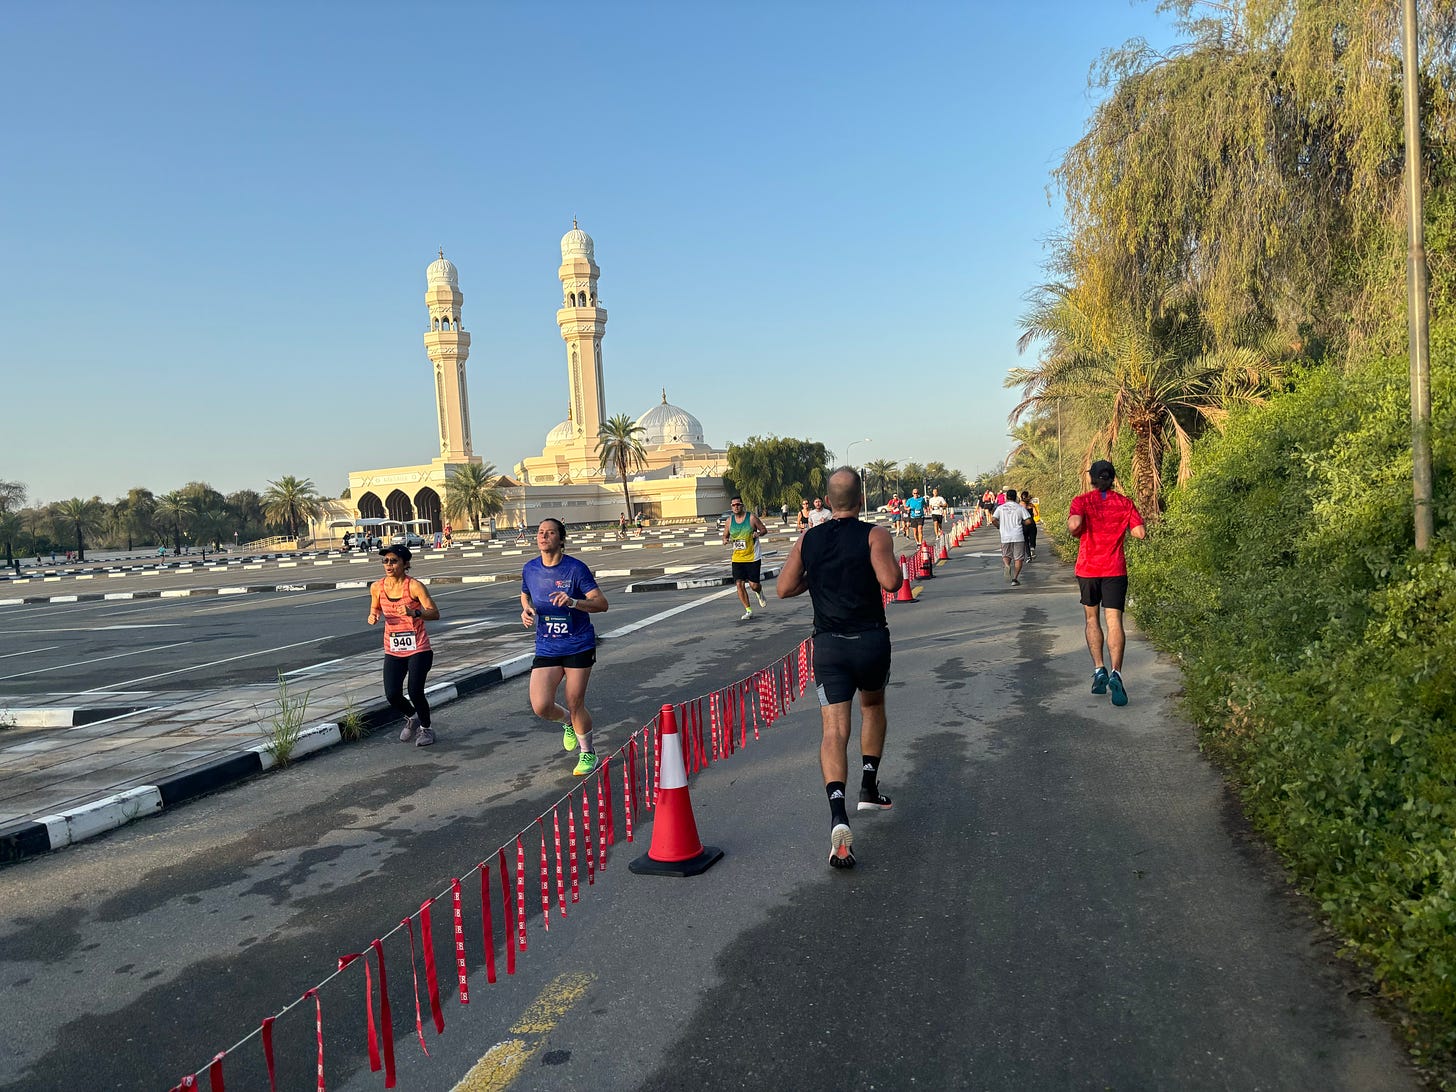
(682,478)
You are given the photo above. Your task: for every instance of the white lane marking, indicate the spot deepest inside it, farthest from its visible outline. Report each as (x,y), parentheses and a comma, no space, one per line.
(199,667)
(29,652)
(99,659)
(119,716)
(635,626)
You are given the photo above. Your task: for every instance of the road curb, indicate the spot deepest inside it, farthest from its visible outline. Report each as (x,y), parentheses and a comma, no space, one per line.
(37,837)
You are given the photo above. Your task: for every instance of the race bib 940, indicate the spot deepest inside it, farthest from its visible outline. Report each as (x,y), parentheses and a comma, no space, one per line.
(402,641)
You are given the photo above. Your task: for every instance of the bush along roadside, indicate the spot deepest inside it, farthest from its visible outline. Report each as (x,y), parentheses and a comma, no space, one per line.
(1319,654)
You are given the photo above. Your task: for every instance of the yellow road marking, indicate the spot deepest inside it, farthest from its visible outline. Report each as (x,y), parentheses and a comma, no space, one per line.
(502,1063)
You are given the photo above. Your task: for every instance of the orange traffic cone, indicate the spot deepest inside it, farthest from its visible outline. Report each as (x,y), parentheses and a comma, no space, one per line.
(944,553)
(904,595)
(926,561)
(676,848)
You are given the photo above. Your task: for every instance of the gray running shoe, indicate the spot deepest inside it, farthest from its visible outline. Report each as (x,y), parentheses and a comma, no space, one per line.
(427,737)
(411,725)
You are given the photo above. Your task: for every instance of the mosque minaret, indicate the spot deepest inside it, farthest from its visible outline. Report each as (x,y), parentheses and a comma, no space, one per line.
(680,477)
(448,346)
(582,322)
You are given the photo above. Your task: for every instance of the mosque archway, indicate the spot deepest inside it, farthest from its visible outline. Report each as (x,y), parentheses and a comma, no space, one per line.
(427,506)
(398,506)
(371,507)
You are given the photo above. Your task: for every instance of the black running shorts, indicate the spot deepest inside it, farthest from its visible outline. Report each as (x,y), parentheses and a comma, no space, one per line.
(575,660)
(748,571)
(1104,591)
(846,662)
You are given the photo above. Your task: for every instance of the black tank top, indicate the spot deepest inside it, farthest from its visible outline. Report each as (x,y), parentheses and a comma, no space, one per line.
(842,582)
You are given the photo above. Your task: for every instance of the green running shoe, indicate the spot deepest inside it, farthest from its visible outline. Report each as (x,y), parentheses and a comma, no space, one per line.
(585,764)
(568,737)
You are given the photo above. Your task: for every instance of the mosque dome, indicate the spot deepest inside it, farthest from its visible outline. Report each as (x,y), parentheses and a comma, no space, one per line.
(668,424)
(563,433)
(576,244)
(442,271)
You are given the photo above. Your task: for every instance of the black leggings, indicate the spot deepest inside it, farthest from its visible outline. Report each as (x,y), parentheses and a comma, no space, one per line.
(416,667)
(1029,531)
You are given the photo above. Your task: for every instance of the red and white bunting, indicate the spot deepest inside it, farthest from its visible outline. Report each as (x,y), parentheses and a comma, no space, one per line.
(460,968)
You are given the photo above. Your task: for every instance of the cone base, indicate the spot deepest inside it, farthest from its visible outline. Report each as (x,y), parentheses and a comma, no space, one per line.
(645,865)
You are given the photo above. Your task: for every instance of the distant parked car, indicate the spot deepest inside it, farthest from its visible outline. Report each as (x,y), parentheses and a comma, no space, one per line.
(408,538)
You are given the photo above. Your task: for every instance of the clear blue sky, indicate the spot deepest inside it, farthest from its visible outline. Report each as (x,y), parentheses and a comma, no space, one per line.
(812,219)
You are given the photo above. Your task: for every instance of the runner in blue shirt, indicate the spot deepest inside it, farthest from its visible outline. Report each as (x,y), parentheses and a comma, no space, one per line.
(558,596)
(915,512)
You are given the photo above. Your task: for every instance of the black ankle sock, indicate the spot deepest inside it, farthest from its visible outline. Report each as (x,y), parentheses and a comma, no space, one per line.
(870,779)
(835,791)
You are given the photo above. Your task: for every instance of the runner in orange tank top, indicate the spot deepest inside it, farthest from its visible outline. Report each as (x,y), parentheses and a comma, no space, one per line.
(405,606)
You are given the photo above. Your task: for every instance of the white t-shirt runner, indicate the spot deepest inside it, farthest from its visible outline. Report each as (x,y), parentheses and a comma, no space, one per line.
(1009,517)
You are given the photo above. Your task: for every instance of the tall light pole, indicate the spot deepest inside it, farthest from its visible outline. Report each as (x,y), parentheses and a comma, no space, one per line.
(1417,288)
(862,490)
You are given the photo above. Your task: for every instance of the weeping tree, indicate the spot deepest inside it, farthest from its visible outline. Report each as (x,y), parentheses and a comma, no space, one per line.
(1257,169)
(772,471)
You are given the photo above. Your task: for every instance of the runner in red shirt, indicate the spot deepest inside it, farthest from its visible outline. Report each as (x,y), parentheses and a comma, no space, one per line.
(1102,519)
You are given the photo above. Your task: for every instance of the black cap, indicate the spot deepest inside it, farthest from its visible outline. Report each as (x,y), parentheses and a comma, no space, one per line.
(401,552)
(1101,469)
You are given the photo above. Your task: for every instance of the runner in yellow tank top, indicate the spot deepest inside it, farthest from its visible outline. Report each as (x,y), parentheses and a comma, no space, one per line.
(743,529)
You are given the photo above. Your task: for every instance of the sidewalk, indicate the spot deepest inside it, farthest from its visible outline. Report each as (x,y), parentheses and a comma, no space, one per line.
(69,773)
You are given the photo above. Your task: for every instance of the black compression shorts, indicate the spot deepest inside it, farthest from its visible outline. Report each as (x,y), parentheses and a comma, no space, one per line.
(846,662)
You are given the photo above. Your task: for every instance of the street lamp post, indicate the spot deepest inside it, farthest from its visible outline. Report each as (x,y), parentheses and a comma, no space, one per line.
(863,499)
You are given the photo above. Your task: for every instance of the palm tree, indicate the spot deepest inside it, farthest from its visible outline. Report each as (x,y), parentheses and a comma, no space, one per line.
(211,522)
(1158,378)
(290,500)
(913,475)
(177,507)
(473,491)
(620,448)
(882,470)
(84,516)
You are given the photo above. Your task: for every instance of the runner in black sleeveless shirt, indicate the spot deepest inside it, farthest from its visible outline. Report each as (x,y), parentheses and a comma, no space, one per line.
(844,565)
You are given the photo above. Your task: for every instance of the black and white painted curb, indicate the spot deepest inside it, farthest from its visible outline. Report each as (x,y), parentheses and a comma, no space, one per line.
(51,832)
(317,585)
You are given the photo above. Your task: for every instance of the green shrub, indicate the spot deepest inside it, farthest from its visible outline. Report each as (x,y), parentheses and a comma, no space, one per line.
(1319,653)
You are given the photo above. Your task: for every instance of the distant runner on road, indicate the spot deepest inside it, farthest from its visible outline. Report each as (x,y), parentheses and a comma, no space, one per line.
(1101,520)
(743,530)
(405,606)
(844,565)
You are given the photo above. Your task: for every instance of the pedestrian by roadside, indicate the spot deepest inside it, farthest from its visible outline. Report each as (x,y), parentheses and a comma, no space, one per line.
(819,514)
(803,516)
(405,606)
(1010,519)
(742,530)
(845,565)
(1101,519)
(559,595)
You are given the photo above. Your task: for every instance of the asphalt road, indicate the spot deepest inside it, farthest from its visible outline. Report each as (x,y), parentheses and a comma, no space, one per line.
(121,648)
(1062,897)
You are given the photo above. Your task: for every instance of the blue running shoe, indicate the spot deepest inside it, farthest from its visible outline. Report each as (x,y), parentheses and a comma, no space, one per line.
(1119,693)
(1099,681)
